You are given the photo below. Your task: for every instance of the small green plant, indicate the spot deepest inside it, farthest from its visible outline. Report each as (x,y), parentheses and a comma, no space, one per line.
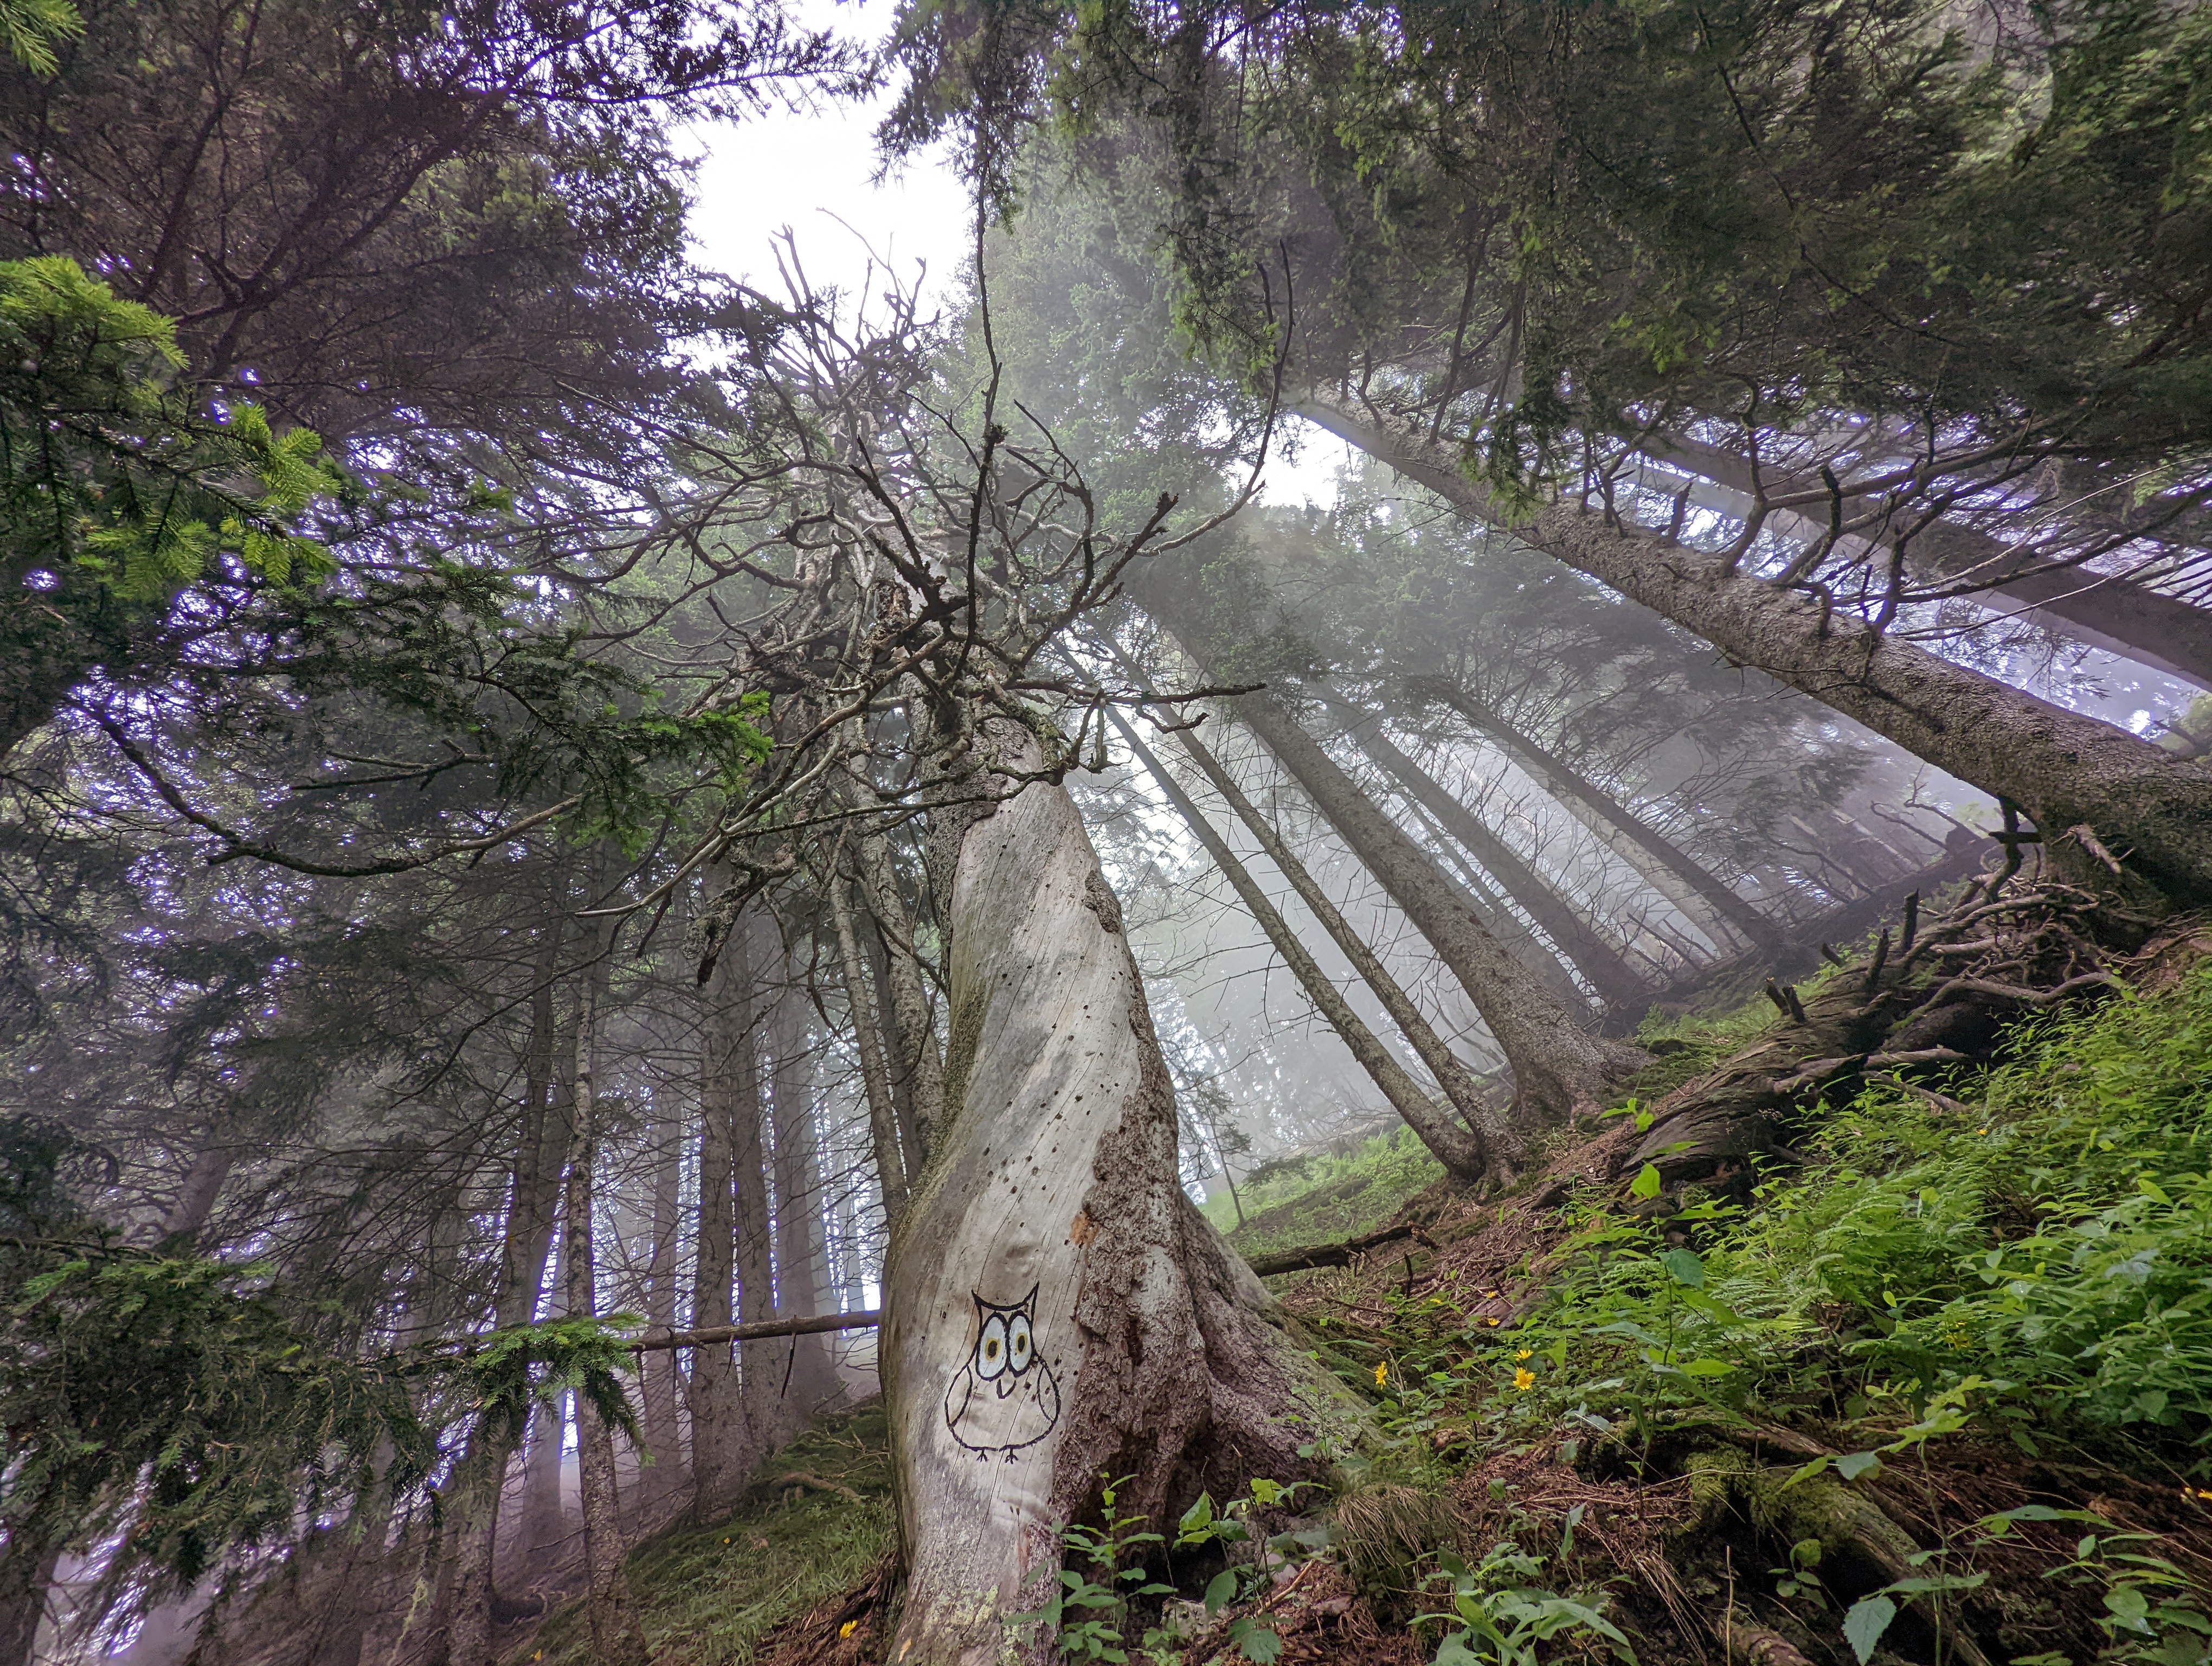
(1088,1607)
(2152,1613)
(1499,1613)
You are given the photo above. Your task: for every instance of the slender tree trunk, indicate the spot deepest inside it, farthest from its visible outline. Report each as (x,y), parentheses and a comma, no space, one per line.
(610,1606)
(883,1115)
(1710,905)
(541,1139)
(2093,791)
(756,1229)
(917,1063)
(659,1392)
(1055,1306)
(1557,1065)
(1464,1152)
(897,1078)
(1608,971)
(26,1573)
(723,1445)
(804,1284)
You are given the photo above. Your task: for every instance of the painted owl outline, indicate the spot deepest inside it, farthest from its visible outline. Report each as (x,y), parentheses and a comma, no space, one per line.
(1005,1396)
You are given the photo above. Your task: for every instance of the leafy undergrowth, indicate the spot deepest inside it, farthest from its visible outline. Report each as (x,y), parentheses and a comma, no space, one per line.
(1942,1389)
(709,1595)
(1320,1198)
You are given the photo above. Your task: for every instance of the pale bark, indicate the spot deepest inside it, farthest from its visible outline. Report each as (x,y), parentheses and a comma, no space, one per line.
(1464,1151)
(611,1609)
(1053,1198)
(1615,980)
(1557,1065)
(2087,786)
(1708,903)
(202,1184)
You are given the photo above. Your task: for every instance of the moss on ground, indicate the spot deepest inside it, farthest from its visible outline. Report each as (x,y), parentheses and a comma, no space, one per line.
(1320,1198)
(708,1595)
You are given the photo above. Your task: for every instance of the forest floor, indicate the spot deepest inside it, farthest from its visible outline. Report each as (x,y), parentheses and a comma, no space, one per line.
(1926,1378)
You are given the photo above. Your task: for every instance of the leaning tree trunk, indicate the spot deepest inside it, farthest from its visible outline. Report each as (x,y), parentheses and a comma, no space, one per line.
(2113,811)
(1464,1152)
(1557,1064)
(1056,1306)
(1708,903)
(1607,969)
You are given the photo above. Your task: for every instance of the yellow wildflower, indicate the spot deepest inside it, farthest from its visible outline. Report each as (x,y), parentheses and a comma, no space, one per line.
(1524,1378)
(1491,1322)
(1524,1354)
(848,1628)
(1382,1375)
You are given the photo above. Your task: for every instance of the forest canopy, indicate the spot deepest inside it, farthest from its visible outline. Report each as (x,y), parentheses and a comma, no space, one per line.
(700,969)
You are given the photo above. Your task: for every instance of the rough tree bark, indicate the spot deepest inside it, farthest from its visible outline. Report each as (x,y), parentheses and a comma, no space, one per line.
(1615,980)
(2094,791)
(1711,905)
(1055,1304)
(1464,1152)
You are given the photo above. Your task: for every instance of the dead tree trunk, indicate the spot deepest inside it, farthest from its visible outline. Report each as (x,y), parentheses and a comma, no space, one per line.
(1557,1065)
(1464,1152)
(1710,905)
(2113,811)
(892,1155)
(1056,1305)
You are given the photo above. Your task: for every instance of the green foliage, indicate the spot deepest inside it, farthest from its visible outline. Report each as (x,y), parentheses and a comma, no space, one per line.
(1499,1613)
(1315,1198)
(170,1395)
(511,1370)
(106,469)
(707,1594)
(32,29)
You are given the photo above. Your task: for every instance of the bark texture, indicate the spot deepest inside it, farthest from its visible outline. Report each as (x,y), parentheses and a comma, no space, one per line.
(1557,1065)
(1053,1199)
(724,1444)
(2088,786)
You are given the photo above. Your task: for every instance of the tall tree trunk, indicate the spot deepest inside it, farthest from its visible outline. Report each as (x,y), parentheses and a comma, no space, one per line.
(1711,905)
(723,1444)
(27,1574)
(2093,791)
(1607,969)
(891,1157)
(1056,1305)
(1464,1152)
(755,1229)
(804,1284)
(534,1191)
(202,1184)
(1557,1065)
(659,1393)
(610,1608)
(917,1063)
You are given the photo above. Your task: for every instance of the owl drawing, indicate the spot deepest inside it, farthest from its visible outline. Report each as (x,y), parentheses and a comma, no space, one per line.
(1004,1397)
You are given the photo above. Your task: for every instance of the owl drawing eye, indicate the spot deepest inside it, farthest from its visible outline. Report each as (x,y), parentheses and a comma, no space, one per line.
(1004,1398)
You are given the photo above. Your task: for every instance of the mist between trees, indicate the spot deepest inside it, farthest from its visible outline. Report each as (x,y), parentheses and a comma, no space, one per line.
(554,799)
